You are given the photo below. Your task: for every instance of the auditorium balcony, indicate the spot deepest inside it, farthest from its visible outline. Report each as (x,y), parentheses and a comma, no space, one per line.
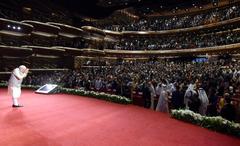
(178,21)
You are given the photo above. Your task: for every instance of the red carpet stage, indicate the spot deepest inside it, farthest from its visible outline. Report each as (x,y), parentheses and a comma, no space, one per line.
(66,120)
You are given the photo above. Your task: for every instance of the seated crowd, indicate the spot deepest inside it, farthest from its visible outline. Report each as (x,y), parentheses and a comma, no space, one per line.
(175,22)
(181,41)
(206,88)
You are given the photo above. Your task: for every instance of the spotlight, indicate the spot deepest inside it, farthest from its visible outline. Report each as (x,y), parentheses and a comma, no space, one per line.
(19,28)
(14,27)
(9,26)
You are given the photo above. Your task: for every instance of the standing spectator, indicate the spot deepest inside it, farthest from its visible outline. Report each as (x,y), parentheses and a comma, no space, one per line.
(162,105)
(212,107)
(228,111)
(146,95)
(191,99)
(153,94)
(203,101)
(177,98)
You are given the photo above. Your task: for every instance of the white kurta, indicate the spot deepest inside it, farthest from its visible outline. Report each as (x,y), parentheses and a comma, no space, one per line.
(14,83)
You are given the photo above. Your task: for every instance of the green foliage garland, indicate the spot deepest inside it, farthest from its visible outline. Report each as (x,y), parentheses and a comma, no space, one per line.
(214,123)
(98,95)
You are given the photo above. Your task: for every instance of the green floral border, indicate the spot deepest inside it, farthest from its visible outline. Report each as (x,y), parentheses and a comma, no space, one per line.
(214,123)
(80,92)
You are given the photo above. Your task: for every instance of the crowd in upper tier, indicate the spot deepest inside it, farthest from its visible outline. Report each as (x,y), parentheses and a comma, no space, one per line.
(181,41)
(175,22)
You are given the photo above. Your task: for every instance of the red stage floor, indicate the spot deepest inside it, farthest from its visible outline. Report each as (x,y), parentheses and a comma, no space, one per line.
(66,120)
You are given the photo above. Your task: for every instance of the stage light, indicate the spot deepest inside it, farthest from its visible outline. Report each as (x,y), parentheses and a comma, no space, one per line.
(9,26)
(19,28)
(14,27)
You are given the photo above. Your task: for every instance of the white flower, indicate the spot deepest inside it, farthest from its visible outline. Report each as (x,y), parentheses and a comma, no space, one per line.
(236,125)
(224,122)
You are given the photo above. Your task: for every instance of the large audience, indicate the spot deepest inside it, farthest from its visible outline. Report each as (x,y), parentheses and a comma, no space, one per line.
(186,21)
(163,85)
(209,88)
(180,41)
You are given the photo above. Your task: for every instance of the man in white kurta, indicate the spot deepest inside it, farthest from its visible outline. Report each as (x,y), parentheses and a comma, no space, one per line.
(14,83)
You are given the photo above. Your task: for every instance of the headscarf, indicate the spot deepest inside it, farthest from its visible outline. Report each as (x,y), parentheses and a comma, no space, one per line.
(190,88)
(203,96)
(189,92)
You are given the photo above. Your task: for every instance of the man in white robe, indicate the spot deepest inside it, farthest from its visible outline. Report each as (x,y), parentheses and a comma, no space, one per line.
(189,92)
(204,101)
(98,84)
(14,83)
(162,105)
